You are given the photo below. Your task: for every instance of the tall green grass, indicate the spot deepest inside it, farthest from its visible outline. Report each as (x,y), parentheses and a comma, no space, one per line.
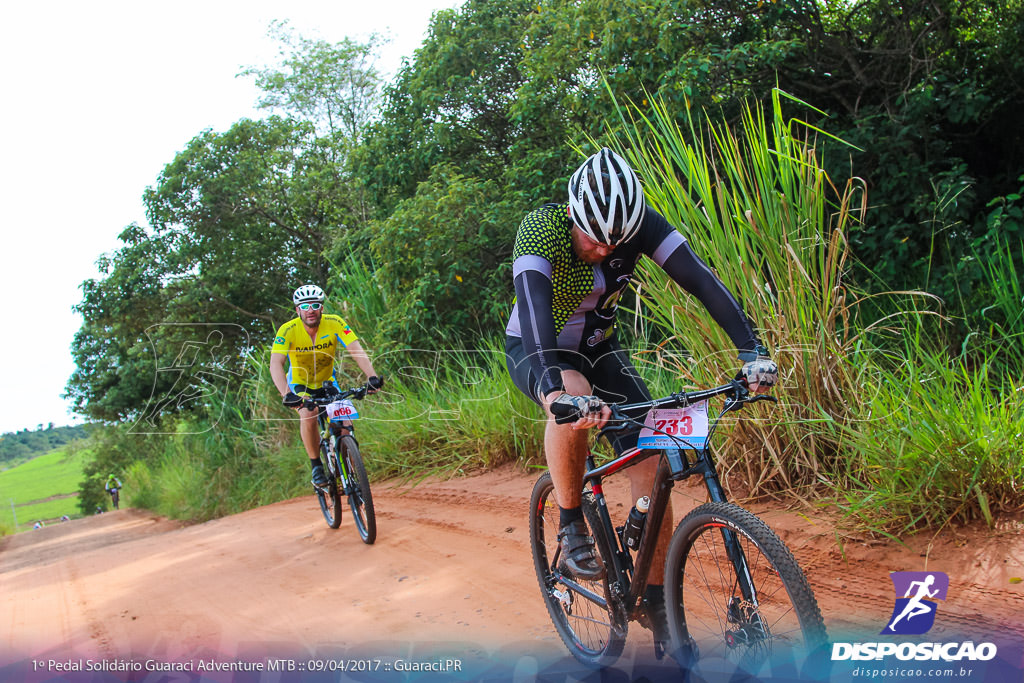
(940,443)
(460,414)
(755,204)
(872,417)
(456,414)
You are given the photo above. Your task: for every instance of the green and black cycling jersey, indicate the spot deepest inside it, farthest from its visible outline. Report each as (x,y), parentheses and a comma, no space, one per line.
(564,303)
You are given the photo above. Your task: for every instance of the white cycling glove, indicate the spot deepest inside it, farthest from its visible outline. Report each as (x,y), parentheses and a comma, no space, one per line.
(760,373)
(583,406)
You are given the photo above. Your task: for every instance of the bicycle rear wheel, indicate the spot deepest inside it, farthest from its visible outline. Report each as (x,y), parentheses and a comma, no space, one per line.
(772,618)
(360,500)
(581,611)
(329,496)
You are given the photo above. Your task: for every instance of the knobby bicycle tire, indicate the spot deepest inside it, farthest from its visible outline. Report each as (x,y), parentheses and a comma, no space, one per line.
(360,500)
(329,497)
(707,613)
(590,631)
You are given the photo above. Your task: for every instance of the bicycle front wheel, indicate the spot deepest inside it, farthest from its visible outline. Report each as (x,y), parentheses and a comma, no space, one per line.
(581,611)
(734,591)
(329,496)
(360,500)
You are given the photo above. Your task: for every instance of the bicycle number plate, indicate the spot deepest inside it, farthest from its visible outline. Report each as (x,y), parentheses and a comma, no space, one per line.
(676,428)
(342,410)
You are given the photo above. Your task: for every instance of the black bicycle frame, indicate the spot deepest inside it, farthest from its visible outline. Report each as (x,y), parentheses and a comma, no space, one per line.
(627,578)
(325,432)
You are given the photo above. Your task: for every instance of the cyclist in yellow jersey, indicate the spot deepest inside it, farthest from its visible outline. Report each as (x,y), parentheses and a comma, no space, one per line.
(309,342)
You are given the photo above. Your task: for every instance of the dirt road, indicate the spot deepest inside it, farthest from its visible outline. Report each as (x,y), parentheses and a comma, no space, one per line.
(450,576)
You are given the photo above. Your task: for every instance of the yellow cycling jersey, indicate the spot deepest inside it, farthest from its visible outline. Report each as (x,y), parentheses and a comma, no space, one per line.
(311,361)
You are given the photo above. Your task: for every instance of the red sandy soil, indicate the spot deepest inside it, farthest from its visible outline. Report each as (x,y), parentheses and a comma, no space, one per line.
(451,570)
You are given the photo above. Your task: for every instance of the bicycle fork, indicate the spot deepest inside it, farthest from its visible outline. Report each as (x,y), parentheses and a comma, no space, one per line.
(743,611)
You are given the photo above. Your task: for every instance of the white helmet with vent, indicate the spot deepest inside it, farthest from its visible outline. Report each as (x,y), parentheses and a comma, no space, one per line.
(605,198)
(307,294)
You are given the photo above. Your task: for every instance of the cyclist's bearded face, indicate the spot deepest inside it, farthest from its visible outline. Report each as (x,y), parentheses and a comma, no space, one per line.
(310,318)
(588,249)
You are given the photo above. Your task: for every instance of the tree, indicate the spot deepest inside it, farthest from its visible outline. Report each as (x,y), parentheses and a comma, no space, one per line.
(444,256)
(334,86)
(451,105)
(239,218)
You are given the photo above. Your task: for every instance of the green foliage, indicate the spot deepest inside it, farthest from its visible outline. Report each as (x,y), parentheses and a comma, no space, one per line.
(333,85)
(114,450)
(43,488)
(484,124)
(899,440)
(441,414)
(451,104)
(17,447)
(240,217)
(444,257)
(756,205)
(940,441)
(449,413)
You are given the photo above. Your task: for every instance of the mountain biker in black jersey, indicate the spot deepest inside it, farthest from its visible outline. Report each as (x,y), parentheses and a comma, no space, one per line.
(571,263)
(309,343)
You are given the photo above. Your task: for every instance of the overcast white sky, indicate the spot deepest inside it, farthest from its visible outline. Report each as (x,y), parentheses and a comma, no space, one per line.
(99,96)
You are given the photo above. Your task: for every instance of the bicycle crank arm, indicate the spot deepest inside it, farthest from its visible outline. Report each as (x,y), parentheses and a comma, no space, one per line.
(584,593)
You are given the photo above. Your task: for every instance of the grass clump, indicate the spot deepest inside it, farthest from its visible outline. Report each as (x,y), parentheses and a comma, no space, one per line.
(875,416)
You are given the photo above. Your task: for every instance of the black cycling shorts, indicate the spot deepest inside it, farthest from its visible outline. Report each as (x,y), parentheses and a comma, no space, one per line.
(303,390)
(612,377)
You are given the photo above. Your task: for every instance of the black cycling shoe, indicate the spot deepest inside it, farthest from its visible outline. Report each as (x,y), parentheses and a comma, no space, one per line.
(319,478)
(579,556)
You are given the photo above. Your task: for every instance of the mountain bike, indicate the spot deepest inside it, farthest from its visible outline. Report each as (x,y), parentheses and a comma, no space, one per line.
(346,473)
(733,590)
(115,497)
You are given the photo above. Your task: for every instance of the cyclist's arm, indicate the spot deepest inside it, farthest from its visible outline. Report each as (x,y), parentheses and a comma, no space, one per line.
(278,374)
(534,297)
(681,264)
(355,349)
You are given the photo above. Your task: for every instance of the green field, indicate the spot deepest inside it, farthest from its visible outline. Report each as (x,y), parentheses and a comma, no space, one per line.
(44,488)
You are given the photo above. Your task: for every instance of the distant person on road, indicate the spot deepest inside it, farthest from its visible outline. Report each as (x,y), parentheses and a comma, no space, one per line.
(38,525)
(113,486)
(309,343)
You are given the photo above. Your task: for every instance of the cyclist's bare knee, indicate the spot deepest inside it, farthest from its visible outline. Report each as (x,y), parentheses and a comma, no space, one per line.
(575,383)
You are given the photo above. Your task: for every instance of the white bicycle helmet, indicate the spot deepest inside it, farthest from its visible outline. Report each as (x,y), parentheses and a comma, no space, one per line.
(605,198)
(308,293)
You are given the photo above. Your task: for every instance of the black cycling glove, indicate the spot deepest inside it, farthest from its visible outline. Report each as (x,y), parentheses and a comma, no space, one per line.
(374,383)
(292,400)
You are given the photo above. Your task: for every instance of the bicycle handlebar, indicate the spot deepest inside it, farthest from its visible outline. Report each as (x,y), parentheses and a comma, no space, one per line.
(621,412)
(355,392)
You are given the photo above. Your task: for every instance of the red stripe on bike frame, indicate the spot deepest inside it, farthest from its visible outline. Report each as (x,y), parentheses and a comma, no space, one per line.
(598,489)
(620,462)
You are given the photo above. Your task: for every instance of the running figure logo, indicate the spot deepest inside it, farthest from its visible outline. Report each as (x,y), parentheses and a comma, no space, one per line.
(914,612)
